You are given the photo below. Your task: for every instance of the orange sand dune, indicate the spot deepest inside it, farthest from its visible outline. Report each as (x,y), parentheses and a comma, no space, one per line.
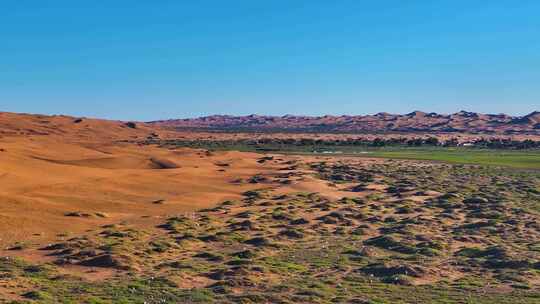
(127,162)
(43,177)
(14,124)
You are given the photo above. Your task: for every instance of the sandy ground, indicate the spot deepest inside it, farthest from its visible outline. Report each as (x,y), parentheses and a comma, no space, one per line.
(50,166)
(43,179)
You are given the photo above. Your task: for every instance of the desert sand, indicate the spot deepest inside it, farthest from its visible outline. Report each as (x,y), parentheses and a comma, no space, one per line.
(51,167)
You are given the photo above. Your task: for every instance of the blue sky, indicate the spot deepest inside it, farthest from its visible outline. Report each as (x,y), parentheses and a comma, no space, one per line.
(150,60)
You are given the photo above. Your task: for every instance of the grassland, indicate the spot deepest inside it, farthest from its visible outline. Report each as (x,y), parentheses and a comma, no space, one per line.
(529,159)
(522,159)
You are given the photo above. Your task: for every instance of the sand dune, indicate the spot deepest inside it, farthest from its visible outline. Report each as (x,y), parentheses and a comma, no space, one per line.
(43,177)
(127,162)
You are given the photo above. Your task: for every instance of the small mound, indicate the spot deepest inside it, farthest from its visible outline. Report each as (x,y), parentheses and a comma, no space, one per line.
(107,261)
(163,163)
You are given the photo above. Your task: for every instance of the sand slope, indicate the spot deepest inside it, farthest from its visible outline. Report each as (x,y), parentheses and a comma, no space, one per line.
(44,176)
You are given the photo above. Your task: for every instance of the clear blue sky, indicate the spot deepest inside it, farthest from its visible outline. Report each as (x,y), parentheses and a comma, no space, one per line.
(148,60)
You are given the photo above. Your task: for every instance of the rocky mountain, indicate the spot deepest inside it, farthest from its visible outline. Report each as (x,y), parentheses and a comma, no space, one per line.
(417,121)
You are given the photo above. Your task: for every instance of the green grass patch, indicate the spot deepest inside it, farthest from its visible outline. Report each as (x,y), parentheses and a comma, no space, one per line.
(516,159)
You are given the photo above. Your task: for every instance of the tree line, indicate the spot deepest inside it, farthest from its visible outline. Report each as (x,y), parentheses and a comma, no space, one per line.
(492,143)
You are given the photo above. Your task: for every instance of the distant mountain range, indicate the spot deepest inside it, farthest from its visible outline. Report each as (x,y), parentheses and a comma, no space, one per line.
(417,121)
